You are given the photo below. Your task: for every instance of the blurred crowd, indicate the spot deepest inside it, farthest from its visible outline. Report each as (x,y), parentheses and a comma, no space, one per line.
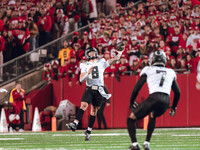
(170,26)
(28,24)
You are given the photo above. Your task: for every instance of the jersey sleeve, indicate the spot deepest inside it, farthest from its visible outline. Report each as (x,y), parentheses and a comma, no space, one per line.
(83,68)
(144,71)
(105,63)
(174,74)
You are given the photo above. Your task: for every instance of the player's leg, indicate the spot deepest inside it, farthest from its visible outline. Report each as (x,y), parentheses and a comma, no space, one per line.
(132,132)
(140,112)
(92,117)
(73,126)
(160,103)
(150,129)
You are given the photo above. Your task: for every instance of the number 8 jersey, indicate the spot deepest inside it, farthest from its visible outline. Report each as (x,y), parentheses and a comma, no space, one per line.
(159,79)
(96,76)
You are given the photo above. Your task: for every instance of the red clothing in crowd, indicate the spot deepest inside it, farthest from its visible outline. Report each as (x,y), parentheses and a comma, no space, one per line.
(18,98)
(2,43)
(44,23)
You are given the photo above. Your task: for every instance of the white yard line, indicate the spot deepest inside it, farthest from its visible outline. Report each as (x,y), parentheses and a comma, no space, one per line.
(6,139)
(17,133)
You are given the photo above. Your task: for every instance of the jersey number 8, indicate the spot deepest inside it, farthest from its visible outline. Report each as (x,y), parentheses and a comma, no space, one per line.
(95,72)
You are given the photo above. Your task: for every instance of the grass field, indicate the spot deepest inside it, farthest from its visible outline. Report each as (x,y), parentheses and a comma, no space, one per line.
(163,139)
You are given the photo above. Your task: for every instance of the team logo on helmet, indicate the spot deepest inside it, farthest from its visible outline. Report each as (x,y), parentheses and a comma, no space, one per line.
(88,50)
(158,58)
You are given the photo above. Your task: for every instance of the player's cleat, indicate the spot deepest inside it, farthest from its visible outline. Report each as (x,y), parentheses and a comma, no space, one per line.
(87,135)
(146,146)
(137,147)
(72,126)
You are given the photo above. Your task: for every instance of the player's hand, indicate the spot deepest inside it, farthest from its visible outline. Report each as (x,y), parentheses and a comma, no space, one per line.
(172,112)
(120,48)
(90,70)
(133,106)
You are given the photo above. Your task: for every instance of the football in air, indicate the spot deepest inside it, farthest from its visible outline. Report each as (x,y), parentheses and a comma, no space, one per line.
(120,47)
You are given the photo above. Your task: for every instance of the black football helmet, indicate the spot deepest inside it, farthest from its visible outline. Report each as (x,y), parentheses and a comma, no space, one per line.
(89,50)
(158,58)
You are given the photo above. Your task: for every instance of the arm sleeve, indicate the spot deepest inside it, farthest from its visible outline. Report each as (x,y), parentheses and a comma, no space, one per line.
(177,93)
(137,87)
(83,68)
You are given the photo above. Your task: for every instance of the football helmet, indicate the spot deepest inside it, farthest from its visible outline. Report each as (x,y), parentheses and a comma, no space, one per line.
(158,58)
(88,50)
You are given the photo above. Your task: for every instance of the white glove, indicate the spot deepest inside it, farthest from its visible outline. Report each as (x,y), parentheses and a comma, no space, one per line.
(3,90)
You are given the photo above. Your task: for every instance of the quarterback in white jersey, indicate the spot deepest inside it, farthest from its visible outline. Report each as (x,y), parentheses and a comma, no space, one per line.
(92,71)
(160,81)
(96,77)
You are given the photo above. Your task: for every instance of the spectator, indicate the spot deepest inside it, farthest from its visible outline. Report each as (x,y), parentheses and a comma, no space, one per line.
(22,35)
(65,52)
(134,50)
(17,99)
(193,39)
(190,63)
(44,24)
(100,115)
(122,67)
(180,54)
(7,53)
(78,51)
(47,72)
(71,69)
(12,116)
(33,33)
(75,38)
(136,67)
(72,11)
(172,64)
(86,9)
(2,48)
(60,25)
(55,70)
(145,61)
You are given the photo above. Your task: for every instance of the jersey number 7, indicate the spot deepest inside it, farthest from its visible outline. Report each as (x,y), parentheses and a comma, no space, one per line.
(95,72)
(163,76)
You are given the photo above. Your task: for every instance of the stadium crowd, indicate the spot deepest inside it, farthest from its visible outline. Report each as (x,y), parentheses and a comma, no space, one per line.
(170,26)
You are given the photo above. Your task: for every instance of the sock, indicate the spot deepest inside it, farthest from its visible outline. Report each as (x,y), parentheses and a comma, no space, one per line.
(80,114)
(145,142)
(131,129)
(151,127)
(76,122)
(91,121)
(89,129)
(135,143)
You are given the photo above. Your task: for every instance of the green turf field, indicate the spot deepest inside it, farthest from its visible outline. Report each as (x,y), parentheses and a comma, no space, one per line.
(163,139)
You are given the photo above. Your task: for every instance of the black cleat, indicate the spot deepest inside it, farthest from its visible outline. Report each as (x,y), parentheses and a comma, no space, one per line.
(137,147)
(146,146)
(87,135)
(72,126)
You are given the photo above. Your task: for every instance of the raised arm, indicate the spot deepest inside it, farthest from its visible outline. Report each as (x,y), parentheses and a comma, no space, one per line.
(116,58)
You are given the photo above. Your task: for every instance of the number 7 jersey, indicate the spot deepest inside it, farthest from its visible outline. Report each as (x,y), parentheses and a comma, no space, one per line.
(96,76)
(159,79)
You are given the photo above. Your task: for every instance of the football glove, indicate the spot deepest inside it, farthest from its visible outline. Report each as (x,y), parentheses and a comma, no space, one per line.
(133,106)
(173,111)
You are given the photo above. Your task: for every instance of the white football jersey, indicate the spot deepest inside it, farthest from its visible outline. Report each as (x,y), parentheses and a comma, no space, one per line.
(159,79)
(96,76)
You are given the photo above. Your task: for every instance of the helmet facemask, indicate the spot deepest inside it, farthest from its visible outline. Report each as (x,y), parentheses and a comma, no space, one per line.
(88,50)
